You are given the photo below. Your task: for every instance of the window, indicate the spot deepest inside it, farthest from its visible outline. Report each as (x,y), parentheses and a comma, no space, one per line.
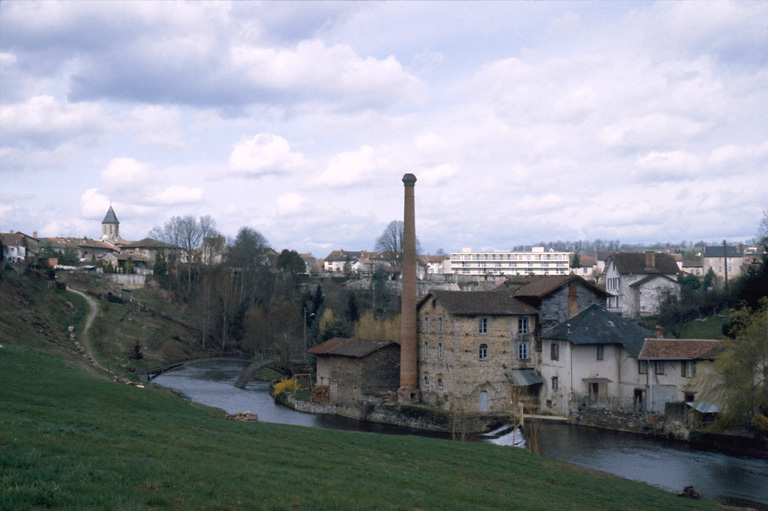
(642,367)
(599,352)
(426,350)
(426,325)
(483,327)
(483,354)
(555,351)
(687,368)
(658,367)
(522,350)
(522,325)
(440,324)
(439,381)
(440,350)
(554,383)
(426,379)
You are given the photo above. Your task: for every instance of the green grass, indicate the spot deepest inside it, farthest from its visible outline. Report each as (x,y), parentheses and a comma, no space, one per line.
(710,328)
(69,440)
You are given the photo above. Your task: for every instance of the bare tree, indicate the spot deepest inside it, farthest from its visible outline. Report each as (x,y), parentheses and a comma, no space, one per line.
(390,244)
(763,230)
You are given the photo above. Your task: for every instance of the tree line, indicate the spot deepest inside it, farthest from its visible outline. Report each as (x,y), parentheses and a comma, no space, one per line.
(244,297)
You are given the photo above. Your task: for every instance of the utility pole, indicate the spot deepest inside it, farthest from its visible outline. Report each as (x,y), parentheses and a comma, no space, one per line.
(725,266)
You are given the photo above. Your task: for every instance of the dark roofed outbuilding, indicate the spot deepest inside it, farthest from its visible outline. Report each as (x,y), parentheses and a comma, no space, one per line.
(354,368)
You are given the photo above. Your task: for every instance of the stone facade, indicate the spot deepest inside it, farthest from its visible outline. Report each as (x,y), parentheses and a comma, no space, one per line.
(353,369)
(464,356)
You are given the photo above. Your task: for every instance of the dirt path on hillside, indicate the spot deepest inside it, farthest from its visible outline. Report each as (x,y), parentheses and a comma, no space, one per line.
(93,311)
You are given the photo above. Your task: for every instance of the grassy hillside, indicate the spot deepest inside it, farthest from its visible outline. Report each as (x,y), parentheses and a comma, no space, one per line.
(69,440)
(34,314)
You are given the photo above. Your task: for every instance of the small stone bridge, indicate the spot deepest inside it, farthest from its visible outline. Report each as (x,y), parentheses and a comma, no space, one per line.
(242,380)
(157,371)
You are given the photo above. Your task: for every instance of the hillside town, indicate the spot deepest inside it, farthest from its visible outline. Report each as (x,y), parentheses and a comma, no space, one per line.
(537,333)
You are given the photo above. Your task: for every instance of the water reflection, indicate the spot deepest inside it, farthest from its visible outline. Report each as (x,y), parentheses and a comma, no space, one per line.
(664,464)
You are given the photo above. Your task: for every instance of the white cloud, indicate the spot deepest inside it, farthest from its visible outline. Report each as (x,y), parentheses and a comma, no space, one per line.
(314,70)
(291,204)
(350,168)
(178,195)
(155,125)
(45,120)
(124,175)
(93,203)
(264,154)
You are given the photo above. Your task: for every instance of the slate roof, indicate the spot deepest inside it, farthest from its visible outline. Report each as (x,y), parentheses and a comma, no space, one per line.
(681,349)
(717,251)
(347,347)
(110,217)
(634,262)
(544,285)
(595,325)
(649,278)
(479,303)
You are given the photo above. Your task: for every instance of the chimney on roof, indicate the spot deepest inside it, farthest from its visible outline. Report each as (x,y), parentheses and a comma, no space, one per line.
(34,234)
(573,299)
(650,260)
(409,384)
(659,332)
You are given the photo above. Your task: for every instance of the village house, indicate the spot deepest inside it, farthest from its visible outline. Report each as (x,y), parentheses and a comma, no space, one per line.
(591,359)
(475,349)
(587,268)
(353,369)
(727,262)
(19,247)
(667,366)
(150,250)
(556,298)
(640,282)
(435,264)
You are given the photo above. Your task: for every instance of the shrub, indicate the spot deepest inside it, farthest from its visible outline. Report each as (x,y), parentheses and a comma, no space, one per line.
(286,384)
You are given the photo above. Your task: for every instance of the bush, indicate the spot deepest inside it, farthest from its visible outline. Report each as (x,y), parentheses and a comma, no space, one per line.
(286,384)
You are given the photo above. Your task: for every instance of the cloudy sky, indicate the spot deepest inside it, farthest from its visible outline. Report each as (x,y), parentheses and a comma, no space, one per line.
(523,121)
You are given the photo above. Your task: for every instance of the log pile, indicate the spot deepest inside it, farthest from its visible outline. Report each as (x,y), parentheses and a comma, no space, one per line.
(243,417)
(321,394)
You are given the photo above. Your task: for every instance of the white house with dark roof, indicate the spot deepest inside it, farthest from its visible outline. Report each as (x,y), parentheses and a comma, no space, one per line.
(640,282)
(591,359)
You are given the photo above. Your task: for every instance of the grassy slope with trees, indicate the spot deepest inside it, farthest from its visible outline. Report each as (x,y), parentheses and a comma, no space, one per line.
(69,440)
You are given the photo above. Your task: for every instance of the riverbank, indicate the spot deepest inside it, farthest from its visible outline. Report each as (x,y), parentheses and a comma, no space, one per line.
(426,418)
(131,448)
(413,416)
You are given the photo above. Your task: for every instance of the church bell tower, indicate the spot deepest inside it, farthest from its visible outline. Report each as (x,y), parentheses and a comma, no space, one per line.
(110,226)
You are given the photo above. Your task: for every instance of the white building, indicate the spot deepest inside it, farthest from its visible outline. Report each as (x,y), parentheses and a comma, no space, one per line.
(536,262)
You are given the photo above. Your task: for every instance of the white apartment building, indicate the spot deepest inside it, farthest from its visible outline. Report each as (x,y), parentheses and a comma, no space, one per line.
(536,262)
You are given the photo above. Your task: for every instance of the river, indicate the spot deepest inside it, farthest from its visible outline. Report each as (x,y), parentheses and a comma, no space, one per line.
(665,464)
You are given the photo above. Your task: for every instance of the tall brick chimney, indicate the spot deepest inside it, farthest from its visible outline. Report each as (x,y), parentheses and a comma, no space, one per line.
(650,260)
(409,376)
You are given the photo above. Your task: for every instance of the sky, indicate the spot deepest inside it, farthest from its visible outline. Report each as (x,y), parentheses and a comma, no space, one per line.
(522,121)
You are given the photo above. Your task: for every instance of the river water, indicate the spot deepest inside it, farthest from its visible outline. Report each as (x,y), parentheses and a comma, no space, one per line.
(665,464)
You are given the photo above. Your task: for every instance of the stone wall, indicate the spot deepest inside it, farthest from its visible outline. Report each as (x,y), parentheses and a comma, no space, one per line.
(396,414)
(612,419)
(129,280)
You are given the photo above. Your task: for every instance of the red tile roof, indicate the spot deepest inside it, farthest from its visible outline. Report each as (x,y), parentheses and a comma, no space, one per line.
(680,349)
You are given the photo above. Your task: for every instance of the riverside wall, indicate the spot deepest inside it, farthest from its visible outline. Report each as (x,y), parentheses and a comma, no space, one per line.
(396,414)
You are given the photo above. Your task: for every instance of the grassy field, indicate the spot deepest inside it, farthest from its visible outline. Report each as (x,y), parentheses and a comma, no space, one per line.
(69,440)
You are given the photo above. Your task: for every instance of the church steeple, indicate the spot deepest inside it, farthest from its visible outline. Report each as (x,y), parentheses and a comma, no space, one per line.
(110,226)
